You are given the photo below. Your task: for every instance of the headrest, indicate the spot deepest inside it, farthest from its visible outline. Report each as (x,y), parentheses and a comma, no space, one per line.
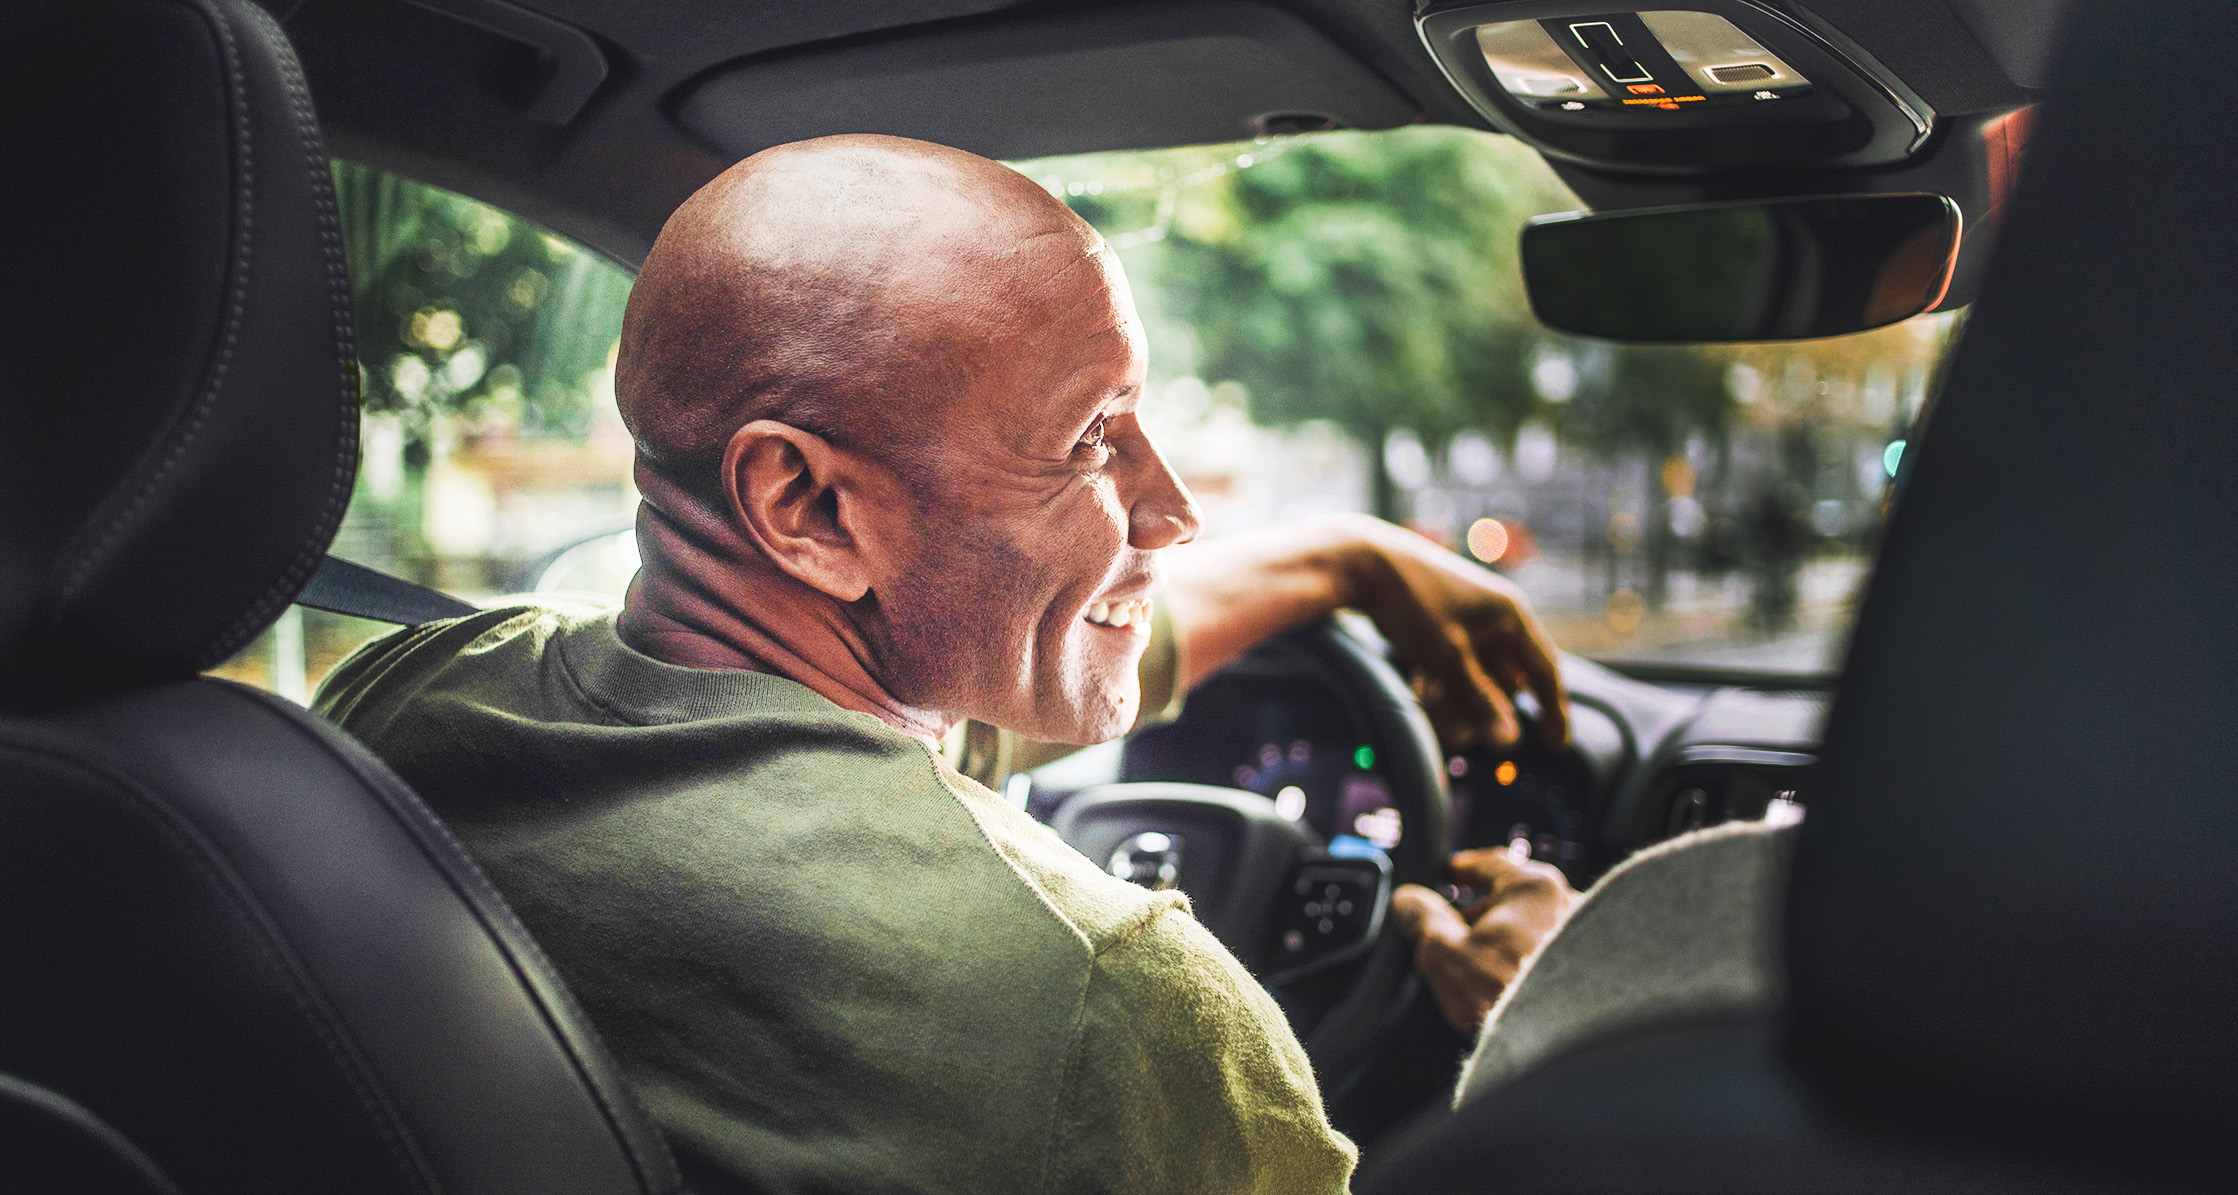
(177,373)
(2015,902)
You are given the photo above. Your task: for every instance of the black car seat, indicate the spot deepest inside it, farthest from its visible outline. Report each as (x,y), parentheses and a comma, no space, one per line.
(2012,931)
(236,953)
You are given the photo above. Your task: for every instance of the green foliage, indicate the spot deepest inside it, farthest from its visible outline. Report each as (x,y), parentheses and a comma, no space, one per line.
(1371,279)
(1367,279)
(464,309)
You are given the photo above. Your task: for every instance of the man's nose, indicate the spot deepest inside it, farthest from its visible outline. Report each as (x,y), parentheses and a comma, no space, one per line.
(1162,514)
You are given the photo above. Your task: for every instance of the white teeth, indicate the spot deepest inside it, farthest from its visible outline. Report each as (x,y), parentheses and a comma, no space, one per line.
(1119,614)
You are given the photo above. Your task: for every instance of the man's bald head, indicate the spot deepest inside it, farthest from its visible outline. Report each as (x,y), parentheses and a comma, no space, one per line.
(843,286)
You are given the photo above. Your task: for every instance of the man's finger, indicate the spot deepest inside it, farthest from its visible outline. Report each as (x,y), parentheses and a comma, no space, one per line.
(1441,955)
(1425,916)
(1485,705)
(1485,869)
(1554,706)
(1545,678)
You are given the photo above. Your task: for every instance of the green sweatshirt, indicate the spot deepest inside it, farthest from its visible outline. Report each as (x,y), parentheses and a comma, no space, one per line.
(820,953)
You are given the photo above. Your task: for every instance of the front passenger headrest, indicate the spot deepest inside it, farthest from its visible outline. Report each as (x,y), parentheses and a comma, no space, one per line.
(2015,902)
(178,430)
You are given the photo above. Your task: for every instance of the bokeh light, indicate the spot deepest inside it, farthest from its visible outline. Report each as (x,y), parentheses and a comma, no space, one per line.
(1488,540)
(1383,827)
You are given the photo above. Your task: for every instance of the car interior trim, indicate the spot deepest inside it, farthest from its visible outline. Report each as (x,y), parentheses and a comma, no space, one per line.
(577,66)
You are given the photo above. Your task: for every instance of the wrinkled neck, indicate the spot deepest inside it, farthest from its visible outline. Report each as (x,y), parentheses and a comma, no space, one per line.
(706,597)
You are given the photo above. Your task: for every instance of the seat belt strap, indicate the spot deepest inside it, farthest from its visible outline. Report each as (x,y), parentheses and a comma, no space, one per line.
(340,587)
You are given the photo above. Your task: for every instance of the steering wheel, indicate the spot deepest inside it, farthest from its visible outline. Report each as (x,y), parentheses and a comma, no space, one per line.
(1310,918)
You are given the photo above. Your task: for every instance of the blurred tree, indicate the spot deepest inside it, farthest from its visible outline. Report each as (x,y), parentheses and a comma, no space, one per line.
(1364,278)
(463,308)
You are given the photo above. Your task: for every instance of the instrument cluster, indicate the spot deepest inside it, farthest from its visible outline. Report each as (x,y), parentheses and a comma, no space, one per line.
(1295,741)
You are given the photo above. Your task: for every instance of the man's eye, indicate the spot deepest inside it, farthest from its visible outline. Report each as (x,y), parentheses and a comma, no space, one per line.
(1094,438)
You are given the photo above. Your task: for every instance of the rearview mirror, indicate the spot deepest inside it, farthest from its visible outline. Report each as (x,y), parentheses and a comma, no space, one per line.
(1776,269)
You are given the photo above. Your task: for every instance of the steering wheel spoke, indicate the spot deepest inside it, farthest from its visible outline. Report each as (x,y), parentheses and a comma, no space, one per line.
(1228,849)
(1331,910)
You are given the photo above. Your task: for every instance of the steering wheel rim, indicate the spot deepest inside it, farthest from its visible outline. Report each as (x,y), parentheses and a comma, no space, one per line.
(1354,1030)
(1413,763)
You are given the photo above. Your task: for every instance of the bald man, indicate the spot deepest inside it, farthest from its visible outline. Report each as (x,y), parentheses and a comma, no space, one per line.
(902,523)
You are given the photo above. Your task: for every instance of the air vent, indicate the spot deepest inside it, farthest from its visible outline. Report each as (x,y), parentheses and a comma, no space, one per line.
(1747,72)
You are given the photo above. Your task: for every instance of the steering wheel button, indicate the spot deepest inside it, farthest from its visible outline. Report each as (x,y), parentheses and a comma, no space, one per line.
(1344,908)
(1293,941)
(1327,926)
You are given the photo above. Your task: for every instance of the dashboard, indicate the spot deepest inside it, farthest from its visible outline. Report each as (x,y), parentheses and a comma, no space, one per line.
(1646,761)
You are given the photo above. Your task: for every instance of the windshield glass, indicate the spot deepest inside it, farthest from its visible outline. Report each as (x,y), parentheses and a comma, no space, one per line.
(1337,321)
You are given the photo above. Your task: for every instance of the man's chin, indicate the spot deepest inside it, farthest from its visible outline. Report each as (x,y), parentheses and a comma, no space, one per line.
(1095,718)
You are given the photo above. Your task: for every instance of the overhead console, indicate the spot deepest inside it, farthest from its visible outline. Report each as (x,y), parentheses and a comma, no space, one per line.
(1715,86)
(1172,73)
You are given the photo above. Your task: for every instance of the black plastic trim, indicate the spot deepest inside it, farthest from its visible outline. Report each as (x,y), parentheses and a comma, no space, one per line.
(578,66)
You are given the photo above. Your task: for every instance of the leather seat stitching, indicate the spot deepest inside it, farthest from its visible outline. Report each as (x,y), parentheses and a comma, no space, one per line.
(536,973)
(324,1023)
(291,580)
(222,361)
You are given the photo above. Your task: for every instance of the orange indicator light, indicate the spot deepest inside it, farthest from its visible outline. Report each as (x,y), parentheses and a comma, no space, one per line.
(1505,773)
(1644,89)
(1669,101)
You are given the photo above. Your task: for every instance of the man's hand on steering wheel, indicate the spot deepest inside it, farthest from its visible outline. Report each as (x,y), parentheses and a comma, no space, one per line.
(1472,640)
(1469,955)
(1473,643)
(1467,630)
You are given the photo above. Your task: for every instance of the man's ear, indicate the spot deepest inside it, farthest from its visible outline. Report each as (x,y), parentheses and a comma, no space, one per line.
(798,500)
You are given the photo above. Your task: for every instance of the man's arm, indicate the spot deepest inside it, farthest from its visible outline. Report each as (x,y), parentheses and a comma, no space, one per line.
(1466,629)
(1186,1077)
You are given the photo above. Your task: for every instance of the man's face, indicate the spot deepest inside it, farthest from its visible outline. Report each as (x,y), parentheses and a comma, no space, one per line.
(1040,513)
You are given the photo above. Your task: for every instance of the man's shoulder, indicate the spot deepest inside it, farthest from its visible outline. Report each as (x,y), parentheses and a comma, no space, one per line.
(1102,908)
(494,649)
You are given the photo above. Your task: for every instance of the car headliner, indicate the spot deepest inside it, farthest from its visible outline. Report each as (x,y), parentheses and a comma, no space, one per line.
(489,97)
(425,88)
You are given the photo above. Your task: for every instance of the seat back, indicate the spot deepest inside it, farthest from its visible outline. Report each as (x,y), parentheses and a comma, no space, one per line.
(2009,931)
(239,954)
(2015,897)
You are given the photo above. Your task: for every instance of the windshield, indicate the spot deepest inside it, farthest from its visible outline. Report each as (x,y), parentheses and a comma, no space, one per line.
(1337,321)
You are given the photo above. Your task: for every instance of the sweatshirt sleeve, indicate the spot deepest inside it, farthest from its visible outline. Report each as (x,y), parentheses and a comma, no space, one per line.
(1186,1078)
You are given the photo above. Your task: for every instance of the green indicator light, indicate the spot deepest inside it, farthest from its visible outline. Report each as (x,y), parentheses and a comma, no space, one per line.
(1364,758)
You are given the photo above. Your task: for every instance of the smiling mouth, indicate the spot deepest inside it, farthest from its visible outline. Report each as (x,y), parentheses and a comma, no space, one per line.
(1121,615)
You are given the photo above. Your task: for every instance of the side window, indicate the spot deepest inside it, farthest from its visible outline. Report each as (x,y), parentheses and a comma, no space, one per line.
(490,443)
